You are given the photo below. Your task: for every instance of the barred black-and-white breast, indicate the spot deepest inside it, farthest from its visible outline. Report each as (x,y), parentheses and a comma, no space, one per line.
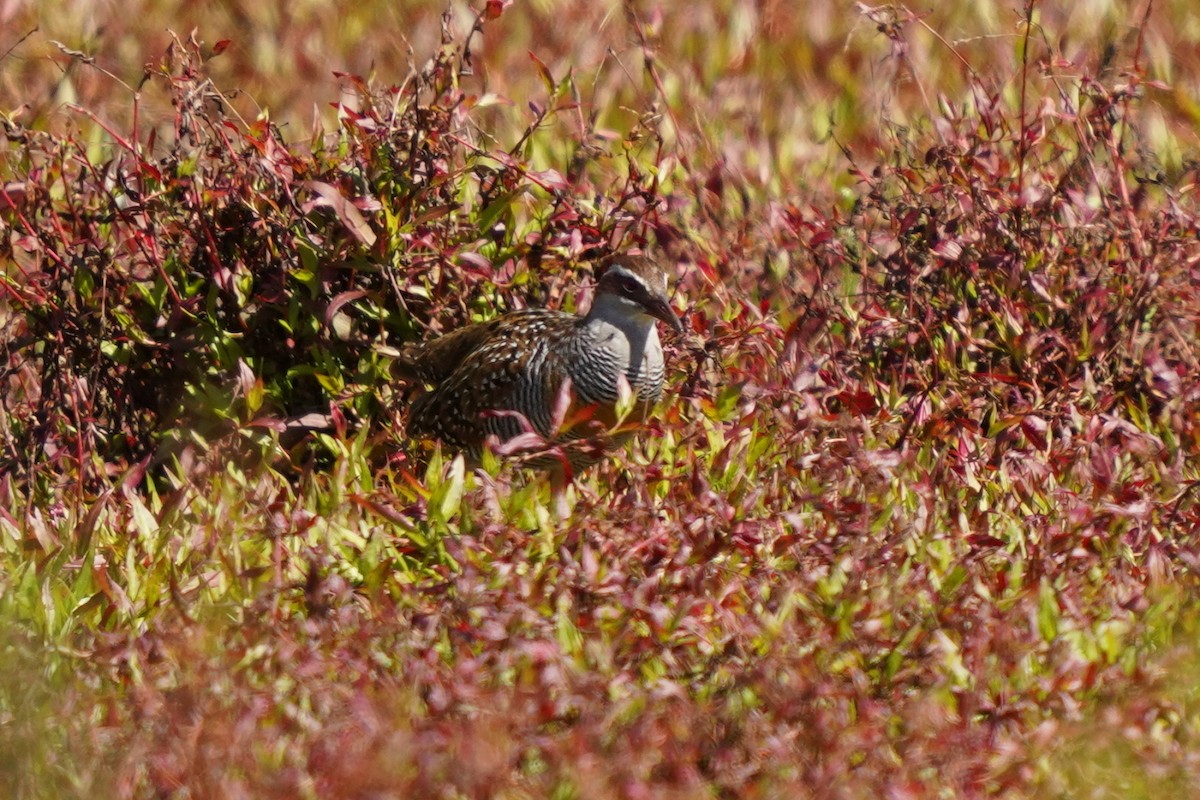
(520,361)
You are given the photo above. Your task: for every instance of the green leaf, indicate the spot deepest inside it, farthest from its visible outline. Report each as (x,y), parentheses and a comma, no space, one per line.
(255,395)
(1048,613)
(448,498)
(568,635)
(727,400)
(115,352)
(487,219)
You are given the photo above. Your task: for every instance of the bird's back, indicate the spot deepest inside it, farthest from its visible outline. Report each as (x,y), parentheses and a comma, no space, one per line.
(482,372)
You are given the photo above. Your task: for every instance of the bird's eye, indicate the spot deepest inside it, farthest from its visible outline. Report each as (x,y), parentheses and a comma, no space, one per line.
(629,286)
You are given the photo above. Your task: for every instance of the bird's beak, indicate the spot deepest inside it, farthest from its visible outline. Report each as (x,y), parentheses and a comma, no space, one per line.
(661,309)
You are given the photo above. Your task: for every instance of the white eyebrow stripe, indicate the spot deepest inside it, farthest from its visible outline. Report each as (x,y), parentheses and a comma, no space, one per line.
(624,272)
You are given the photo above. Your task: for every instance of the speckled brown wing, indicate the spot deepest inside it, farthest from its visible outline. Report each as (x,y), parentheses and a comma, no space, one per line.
(436,360)
(510,367)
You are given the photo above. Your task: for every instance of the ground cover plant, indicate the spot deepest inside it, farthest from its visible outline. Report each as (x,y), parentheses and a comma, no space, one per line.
(917,519)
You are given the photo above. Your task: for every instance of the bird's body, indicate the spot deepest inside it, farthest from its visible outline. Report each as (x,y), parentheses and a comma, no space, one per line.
(506,376)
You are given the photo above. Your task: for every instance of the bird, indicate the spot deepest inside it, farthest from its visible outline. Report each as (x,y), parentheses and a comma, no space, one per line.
(510,376)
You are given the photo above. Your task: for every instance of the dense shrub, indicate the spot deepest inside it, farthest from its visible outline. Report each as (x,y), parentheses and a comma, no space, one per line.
(215,276)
